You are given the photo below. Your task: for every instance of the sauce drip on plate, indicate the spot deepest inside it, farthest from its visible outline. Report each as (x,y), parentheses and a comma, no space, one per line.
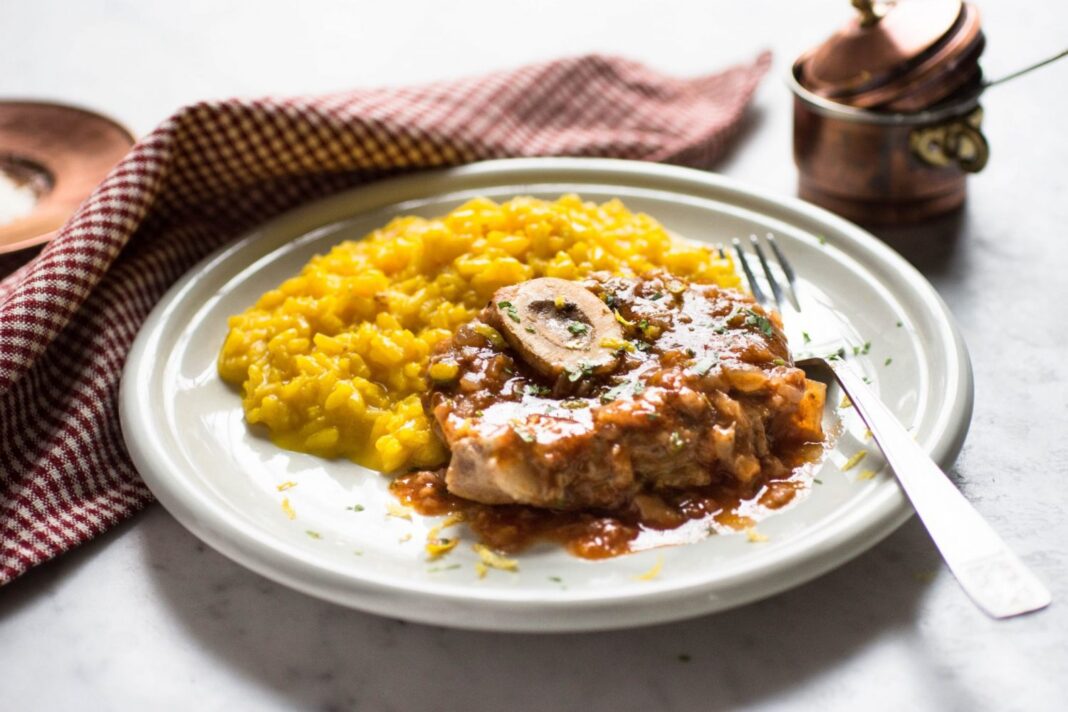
(662,519)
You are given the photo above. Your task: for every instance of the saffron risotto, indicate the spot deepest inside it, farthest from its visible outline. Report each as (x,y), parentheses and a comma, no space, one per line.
(334,360)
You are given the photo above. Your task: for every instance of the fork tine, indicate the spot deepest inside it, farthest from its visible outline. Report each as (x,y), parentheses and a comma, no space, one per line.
(774,283)
(754,287)
(791,278)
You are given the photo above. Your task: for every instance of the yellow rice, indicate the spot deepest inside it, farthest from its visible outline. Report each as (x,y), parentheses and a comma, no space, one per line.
(333,361)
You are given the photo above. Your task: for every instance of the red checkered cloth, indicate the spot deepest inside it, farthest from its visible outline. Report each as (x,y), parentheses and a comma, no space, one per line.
(213,170)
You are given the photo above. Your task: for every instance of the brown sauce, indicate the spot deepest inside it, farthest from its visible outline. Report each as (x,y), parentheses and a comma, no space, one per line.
(596,534)
(702,424)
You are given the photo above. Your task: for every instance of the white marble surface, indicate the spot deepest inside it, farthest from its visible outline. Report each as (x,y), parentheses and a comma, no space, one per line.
(146,617)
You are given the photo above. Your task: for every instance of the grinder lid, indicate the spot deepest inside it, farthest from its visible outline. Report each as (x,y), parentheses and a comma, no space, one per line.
(901,56)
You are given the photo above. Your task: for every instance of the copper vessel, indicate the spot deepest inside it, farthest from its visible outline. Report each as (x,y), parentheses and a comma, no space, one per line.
(60,153)
(884,168)
(887,122)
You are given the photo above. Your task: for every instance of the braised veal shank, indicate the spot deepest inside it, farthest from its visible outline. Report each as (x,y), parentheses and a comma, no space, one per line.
(574,395)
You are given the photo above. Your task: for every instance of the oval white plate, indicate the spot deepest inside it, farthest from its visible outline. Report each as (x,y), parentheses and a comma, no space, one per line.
(186,434)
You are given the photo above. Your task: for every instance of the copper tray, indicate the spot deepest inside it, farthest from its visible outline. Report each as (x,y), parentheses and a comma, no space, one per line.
(59,152)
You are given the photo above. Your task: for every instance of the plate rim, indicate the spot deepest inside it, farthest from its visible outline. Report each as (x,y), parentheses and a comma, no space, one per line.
(279,561)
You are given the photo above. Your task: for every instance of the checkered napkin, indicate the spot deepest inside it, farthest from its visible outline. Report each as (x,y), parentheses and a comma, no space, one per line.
(69,314)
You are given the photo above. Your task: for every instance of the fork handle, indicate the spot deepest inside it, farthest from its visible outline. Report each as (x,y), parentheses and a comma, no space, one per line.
(985,567)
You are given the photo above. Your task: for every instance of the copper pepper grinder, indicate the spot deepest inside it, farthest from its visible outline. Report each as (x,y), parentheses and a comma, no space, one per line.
(887,122)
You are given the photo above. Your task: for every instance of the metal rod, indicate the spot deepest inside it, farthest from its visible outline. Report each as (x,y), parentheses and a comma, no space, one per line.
(1025,70)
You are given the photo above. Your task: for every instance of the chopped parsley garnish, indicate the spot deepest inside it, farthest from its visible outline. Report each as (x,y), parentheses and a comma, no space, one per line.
(656,296)
(888,361)
(533,389)
(613,393)
(642,346)
(806,337)
(779,362)
(720,330)
(584,369)
(510,310)
(313,535)
(523,434)
(556,579)
(578,328)
(822,239)
(858,350)
(643,324)
(617,391)
(817,480)
(691,353)
(610,299)
(529,329)
(355,508)
(899,325)
(575,404)
(436,569)
(836,356)
(760,321)
(704,365)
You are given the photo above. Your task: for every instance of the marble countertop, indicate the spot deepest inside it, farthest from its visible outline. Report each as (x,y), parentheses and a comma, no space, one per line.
(148,617)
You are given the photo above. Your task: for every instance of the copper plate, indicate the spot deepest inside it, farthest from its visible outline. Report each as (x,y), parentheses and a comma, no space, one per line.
(61,153)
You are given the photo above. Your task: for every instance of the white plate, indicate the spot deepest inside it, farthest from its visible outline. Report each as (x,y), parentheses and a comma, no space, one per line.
(185,430)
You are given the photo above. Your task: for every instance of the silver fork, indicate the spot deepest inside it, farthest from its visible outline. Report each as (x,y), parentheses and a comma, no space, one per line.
(995,579)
